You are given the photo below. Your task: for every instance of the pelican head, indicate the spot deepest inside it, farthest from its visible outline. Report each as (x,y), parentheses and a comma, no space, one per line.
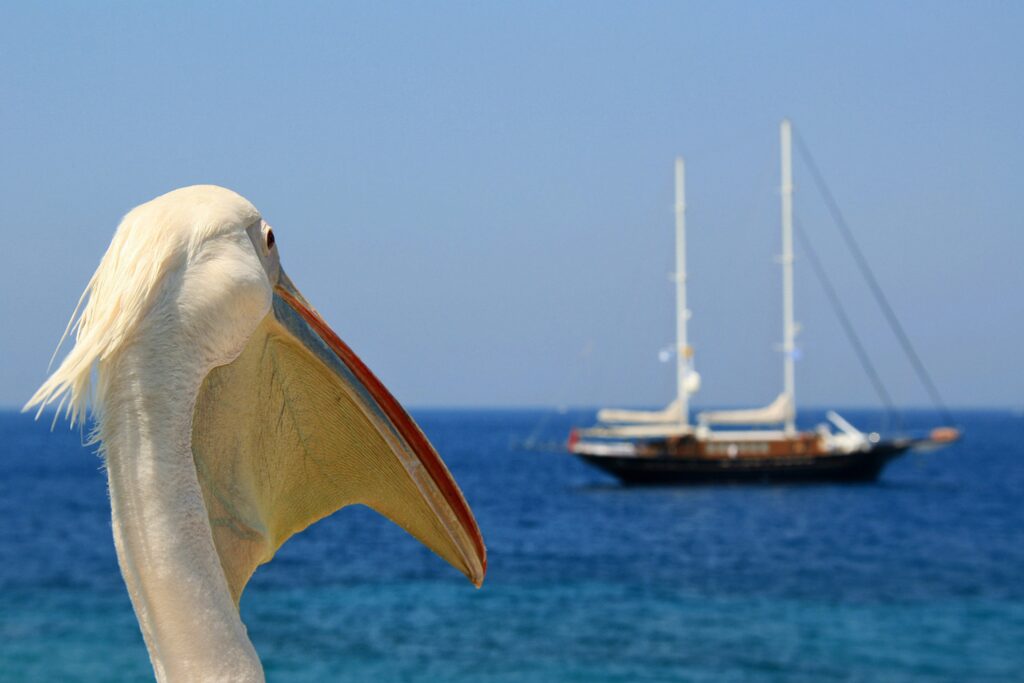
(230,417)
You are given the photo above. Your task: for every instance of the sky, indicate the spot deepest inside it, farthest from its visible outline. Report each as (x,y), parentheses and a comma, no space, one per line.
(478,196)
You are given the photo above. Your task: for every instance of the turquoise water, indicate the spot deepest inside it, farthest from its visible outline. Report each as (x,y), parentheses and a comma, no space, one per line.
(915,578)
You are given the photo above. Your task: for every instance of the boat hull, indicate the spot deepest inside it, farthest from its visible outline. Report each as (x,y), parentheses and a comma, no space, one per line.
(860,466)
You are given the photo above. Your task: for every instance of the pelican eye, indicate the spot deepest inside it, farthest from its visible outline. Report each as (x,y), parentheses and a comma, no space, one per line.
(270,240)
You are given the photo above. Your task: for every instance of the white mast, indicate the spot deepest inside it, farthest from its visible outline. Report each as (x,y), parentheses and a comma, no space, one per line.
(788,325)
(682,313)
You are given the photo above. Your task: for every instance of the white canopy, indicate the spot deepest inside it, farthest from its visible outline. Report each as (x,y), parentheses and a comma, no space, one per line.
(640,431)
(779,410)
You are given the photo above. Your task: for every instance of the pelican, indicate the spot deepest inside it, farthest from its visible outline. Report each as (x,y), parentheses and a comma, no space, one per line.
(230,417)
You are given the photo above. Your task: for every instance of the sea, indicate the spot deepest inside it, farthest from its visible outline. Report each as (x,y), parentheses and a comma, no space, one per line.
(917,577)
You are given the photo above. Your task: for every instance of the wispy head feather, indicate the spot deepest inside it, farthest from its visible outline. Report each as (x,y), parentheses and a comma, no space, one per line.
(153,240)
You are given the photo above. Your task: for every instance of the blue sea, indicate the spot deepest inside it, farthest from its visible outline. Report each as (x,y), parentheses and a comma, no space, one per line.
(918,577)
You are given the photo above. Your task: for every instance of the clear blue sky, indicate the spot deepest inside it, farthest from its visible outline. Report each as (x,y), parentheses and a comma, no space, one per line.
(478,196)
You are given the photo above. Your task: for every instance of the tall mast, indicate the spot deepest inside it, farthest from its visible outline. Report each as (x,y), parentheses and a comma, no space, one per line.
(788,325)
(682,313)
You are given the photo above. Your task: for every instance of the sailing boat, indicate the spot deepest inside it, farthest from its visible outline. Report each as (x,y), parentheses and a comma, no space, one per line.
(665,447)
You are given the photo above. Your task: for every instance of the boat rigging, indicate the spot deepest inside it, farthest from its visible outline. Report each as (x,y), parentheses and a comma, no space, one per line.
(663,447)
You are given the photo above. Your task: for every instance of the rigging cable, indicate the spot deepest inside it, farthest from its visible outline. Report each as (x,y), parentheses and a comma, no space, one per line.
(869,276)
(844,320)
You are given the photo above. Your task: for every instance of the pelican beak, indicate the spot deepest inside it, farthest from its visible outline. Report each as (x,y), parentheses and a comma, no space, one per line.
(404,477)
(296,428)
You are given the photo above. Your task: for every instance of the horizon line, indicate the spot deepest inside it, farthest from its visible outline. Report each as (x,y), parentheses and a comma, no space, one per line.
(695,409)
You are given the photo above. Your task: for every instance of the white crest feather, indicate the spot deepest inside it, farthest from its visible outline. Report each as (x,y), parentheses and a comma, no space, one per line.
(154,240)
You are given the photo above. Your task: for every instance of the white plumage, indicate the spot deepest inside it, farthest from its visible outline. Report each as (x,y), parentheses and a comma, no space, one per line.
(154,243)
(230,418)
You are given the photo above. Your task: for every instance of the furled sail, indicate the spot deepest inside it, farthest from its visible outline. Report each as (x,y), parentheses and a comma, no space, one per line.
(779,410)
(672,413)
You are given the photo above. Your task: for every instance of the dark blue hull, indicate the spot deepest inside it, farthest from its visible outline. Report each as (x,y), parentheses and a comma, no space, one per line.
(675,470)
